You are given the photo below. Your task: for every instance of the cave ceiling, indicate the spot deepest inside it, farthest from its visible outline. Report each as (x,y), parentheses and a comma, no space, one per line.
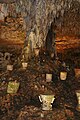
(68,31)
(20,17)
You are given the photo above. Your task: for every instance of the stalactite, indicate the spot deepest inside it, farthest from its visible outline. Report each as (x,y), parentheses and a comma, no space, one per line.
(8,1)
(38,16)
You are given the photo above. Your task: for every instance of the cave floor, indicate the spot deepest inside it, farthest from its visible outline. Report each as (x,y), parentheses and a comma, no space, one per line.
(25,104)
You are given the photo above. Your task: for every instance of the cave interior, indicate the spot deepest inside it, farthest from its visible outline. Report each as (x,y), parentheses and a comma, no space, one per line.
(39,41)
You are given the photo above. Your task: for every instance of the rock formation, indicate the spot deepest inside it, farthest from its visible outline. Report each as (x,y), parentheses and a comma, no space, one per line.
(32,22)
(37,16)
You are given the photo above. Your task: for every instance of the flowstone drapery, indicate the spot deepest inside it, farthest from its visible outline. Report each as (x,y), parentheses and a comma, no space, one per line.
(37,16)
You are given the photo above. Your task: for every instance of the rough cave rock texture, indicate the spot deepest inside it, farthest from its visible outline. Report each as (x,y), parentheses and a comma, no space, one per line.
(37,16)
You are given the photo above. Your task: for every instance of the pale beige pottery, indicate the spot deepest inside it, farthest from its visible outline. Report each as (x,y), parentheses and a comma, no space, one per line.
(10,67)
(63,75)
(78,97)
(48,77)
(24,65)
(46,101)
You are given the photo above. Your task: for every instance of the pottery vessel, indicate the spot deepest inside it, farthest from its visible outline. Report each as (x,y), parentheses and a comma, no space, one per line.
(24,65)
(77,72)
(10,67)
(78,97)
(63,75)
(13,87)
(46,101)
(48,77)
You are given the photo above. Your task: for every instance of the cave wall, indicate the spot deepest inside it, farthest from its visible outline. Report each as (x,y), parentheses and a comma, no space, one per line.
(29,21)
(68,31)
(11,32)
(37,16)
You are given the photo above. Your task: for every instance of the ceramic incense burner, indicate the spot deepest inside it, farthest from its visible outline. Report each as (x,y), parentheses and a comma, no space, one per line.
(24,65)
(13,87)
(10,67)
(46,101)
(78,97)
(77,72)
(63,75)
(48,77)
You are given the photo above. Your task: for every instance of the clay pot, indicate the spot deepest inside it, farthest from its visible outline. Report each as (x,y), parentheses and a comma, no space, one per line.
(78,97)
(10,67)
(48,77)
(77,72)
(13,87)
(63,75)
(46,101)
(24,65)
